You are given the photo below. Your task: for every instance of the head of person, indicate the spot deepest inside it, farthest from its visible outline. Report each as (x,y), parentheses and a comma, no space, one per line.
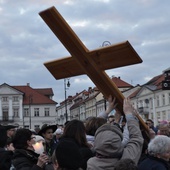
(67,155)
(11,129)
(150,123)
(160,147)
(3,138)
(47,131)
(24,139)
(163,129)
(75,129)
(9,145)
(108,140)
(58,133)
(93,124)
(111,118)
(37,129)
(125,164)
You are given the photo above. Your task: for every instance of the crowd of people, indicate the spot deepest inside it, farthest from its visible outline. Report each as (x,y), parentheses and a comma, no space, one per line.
(105,142)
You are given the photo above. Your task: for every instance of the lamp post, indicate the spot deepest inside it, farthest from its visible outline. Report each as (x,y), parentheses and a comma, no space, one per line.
(66,86)
(30,101)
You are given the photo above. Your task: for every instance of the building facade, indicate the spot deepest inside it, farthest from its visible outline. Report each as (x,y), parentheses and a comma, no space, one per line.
(88,103)
(26,107)
(151,101)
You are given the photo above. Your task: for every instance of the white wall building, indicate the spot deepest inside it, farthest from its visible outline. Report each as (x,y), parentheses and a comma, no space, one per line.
(26,107)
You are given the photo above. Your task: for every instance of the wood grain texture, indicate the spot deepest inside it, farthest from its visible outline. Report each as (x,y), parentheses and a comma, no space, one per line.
(82,61)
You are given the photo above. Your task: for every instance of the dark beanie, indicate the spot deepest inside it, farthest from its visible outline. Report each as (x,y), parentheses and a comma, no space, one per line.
(68,154)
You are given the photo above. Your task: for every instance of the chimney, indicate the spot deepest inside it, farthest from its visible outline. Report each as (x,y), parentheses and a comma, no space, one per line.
(28,84)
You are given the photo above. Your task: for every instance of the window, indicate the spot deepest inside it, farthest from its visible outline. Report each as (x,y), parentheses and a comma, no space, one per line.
(36,126)
(157,101)
(4,99)
(163,99)
(158,115)
(15,99)
(26,127)
(36,112)
(46,111)
(16,112)
(26,112)
(151,102)
(164,115)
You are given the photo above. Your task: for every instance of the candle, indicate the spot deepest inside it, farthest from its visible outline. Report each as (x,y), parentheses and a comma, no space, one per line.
(38,147)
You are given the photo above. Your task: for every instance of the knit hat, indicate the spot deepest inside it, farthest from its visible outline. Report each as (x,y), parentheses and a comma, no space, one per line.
(68,154)
(108,141)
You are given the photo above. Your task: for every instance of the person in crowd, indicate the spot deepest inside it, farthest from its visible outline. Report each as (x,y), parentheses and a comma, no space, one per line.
(125,164)
(158,154)
(163,129)
(108,142)
(37,129)
(75,130)
(9,145)
(150,124)
(111,118)
(67,156)
(57,135)
(11,129)
(24,157)
(5,155)
(47,133)
(92,125)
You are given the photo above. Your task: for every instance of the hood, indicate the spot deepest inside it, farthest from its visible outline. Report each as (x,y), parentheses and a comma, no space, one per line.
(108,139)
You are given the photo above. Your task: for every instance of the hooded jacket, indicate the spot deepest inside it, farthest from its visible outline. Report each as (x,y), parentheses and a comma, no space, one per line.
(109,148)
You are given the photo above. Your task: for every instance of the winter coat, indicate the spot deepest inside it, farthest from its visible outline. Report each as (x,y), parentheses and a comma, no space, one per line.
(153,163)
(24,159)
(5,159)
(109,148)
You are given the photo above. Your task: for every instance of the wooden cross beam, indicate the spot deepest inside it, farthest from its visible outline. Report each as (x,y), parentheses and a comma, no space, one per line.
(93,63)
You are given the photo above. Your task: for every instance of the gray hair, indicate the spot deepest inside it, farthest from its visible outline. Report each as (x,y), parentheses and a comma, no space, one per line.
(159,145)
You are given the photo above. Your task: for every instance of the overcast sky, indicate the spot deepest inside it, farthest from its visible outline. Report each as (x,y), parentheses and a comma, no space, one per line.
(26,42)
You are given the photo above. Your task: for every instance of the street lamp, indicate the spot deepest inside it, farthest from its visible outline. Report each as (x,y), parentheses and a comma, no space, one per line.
(66,86)
(30,102)
(106,43)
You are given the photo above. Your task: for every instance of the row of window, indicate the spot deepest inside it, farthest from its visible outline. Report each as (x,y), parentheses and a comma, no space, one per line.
(161,100)
(27,112)
(14,99)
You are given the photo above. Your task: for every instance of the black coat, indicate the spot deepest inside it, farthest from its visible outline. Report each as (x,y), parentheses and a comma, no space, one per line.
(153,163)
(26,160)
(5,159)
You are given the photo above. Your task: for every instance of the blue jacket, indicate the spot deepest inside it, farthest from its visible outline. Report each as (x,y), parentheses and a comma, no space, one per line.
(153,163)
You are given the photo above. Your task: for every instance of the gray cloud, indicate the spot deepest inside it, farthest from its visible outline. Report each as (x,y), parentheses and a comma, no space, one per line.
(26,41)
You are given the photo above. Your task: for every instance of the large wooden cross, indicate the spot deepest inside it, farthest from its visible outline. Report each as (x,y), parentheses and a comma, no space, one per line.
(82,61)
